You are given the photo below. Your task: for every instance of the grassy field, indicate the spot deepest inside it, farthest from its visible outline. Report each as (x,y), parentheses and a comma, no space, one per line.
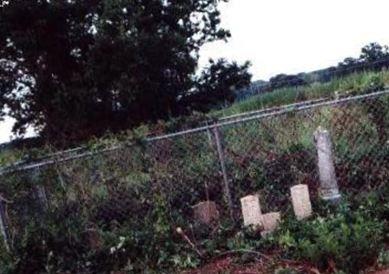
(346,86)
(352,84)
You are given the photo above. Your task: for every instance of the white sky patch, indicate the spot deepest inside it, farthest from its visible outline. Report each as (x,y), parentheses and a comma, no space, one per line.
(283,36)
(6,130)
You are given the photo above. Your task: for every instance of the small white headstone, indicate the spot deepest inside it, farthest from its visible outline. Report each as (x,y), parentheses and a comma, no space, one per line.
(271,222)
(301,202)
(251,210)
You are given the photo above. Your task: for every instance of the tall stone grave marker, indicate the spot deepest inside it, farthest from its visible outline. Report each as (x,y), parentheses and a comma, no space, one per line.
(329,189)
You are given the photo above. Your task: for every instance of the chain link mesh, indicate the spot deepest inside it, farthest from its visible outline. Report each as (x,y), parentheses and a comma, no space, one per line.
(130,186)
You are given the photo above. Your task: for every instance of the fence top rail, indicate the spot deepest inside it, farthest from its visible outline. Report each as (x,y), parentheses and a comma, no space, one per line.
(272,113)
(56,157)
(78,150)
(266,110)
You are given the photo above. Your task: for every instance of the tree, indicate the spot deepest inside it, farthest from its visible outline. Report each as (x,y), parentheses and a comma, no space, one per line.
(217,85)
(349,62)
(284,80)
(75,68)
(373,57)
(373,52)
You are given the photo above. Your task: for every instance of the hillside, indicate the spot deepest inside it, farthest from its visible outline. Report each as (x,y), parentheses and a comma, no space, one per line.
(353,84)
(127,203)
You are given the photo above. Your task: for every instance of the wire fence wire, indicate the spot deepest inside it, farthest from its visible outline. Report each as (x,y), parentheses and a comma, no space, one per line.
(129,186)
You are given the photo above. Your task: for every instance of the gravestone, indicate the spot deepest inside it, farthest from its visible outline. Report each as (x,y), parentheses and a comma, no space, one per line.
(251,210)
(301,202)
(329,189)
(270,222)
(206,212)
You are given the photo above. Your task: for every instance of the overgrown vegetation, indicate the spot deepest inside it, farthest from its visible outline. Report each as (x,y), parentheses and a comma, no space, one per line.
(348,238)
(66,64)
(123,210)
(348,85)
(373,57)
(77,69)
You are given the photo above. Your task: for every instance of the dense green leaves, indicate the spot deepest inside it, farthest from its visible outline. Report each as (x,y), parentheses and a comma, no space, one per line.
(218,85)
(77,68)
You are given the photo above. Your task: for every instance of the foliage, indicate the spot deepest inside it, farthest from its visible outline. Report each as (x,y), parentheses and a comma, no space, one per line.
(56,243)
(217,85)
(373,57)
(383,259)
(374,52)
(355,84)
(283,80)
(67,64)
(350,239)
(133,199)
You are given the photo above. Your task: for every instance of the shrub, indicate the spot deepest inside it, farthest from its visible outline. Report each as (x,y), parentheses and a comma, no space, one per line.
(383,258)
(350,240)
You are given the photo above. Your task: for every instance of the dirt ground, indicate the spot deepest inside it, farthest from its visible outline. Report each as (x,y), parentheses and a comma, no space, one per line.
(230,265)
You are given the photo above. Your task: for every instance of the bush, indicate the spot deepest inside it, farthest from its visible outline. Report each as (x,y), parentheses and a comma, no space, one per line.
(60,242)
(352,241)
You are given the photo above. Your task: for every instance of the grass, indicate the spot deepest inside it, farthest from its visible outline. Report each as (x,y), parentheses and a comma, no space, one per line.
(136,197)
(352,83)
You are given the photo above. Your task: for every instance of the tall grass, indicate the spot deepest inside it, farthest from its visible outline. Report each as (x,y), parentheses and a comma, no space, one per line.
(354,83)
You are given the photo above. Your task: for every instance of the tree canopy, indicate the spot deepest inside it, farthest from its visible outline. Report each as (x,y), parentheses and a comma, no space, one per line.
(218,85)
(373,56)
(74,68)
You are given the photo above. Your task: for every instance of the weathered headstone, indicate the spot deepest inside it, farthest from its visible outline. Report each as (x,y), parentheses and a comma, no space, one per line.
(270,222)
(251,210)
(301,202)
(206,212)
(329,189)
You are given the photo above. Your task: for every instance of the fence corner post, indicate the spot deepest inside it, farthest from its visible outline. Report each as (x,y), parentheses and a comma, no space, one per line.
(4,225)
(220,152)
(329,190)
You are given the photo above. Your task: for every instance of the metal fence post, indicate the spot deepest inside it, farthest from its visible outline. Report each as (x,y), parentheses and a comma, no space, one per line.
(4,225)
(209,134)
(220,152)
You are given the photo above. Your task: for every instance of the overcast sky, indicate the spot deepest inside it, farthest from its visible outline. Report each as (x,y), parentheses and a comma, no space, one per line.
(284,36)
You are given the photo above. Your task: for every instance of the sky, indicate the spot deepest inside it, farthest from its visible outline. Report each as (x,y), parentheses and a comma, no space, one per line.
(284,36)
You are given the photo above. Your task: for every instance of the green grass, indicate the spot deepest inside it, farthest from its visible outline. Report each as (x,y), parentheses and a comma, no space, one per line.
(354,83)
(157,186)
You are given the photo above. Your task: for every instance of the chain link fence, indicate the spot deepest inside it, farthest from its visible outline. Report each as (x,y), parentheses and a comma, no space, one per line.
(158,182)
